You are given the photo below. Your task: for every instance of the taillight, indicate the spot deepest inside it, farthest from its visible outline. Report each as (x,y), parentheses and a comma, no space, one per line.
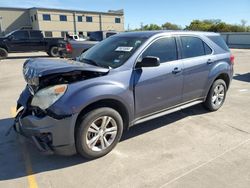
(232,59)
(68,47)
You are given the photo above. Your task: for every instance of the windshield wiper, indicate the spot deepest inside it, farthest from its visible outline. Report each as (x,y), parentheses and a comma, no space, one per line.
(89,61)
(92,62)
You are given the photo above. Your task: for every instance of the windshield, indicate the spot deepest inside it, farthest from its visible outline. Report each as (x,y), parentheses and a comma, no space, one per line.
(9,33)
(112,52)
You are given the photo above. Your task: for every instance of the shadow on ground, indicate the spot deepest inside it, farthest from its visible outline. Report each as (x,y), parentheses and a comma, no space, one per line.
(11,156)
(27,57)
(242,77)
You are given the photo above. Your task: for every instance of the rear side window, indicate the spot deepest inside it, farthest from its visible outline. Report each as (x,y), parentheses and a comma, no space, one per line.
(207,49)
(194,47)
(220,42)
(35,34)
(164,48)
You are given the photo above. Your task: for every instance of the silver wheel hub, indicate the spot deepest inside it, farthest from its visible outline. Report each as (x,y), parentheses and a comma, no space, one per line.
(101,133)
(218,95)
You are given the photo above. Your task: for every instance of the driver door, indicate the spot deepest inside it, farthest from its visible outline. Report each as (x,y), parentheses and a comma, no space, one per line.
(159,88)
(19,41)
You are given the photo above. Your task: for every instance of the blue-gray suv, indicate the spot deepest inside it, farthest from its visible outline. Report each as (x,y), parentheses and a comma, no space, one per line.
(85,105)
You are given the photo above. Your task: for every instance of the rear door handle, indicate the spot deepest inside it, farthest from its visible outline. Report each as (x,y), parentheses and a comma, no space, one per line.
(209,61)
(176,70)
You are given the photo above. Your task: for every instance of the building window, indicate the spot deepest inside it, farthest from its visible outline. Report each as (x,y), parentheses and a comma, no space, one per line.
(46,17)
(35,17)
(48,34)
(31,18)
(117,20)
(89,19)
(63,18)
(79,18)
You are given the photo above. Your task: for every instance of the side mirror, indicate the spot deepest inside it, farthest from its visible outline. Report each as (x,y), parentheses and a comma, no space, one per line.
(149,61)
(11,37)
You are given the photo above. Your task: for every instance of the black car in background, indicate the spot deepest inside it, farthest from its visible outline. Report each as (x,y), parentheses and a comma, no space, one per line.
(28,41)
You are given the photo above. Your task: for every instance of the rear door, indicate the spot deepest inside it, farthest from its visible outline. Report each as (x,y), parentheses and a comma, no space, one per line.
(158,88)
(197,59)
(36,41)
(19,41)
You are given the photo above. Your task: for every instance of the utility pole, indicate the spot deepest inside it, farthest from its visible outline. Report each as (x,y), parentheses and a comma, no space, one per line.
(1,26)
(74,20)
(128,28)
(141,25)
(100,20)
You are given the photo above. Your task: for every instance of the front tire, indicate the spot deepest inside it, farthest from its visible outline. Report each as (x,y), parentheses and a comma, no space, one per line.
(53,51)
(3,53)
(98,132)
(216,95)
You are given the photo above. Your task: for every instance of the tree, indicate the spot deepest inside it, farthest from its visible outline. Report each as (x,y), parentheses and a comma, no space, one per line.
(151,27)
(170,26)
(215,26)
(197,25)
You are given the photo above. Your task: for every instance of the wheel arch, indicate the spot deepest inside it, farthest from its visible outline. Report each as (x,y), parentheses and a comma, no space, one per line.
(111,103)
(224,76)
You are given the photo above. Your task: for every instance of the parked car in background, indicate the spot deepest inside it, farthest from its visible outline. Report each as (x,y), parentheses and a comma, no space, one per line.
(84,106)
(76,38)
(28,41)
(72,49)
(100,35)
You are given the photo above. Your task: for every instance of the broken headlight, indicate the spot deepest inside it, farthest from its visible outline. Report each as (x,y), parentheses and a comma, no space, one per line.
(44,98)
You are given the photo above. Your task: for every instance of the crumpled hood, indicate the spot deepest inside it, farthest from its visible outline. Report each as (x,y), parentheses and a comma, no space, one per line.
(33,69)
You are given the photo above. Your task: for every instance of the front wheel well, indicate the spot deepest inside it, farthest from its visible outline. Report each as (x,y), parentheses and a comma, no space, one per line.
(111,103)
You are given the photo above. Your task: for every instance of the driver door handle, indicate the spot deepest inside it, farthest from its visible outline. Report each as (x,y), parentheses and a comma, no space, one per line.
(209,61)
(176,70)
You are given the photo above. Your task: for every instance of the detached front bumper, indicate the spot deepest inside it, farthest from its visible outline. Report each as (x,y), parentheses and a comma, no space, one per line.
(47,133)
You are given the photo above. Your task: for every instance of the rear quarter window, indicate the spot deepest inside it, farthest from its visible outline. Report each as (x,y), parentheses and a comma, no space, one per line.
(220,42)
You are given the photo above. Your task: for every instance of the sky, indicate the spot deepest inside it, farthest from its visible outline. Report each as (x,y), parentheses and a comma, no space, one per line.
(137,12)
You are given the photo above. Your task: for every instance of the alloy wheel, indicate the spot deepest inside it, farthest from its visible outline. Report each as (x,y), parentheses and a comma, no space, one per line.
(218,95)
(101,133)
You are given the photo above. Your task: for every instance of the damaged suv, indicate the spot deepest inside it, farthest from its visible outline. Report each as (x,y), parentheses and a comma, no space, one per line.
(85,105)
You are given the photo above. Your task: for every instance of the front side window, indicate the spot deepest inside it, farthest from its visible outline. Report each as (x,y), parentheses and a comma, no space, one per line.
(46,17)
(165,49)
(89,19)
(112,52)
(63,18)
(19,35)
(194,47)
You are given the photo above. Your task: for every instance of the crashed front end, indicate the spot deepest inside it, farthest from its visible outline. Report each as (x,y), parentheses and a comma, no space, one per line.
(46,84)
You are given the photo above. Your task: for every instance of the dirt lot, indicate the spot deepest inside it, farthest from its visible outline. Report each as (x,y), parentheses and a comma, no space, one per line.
(190,148)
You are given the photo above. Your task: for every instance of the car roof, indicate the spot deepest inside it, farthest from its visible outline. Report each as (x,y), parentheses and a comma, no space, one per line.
(148,34)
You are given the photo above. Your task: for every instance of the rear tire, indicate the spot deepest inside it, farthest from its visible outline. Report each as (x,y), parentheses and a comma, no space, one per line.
(3,53)
(98,132)
(216,95)
(53,51)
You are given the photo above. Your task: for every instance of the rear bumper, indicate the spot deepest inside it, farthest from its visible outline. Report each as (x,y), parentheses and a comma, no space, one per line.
(48,134)
(63,53)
